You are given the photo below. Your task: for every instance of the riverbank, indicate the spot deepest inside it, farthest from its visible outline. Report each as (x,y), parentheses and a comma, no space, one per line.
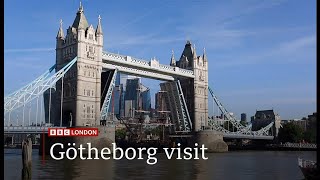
(267,148)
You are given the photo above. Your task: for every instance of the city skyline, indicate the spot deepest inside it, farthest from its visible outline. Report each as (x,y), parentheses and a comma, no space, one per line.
(252,65)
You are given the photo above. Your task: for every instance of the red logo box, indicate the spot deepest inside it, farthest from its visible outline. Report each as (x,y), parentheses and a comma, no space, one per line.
(64,132)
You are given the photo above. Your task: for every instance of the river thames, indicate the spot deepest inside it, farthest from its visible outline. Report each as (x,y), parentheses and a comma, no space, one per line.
(262,165)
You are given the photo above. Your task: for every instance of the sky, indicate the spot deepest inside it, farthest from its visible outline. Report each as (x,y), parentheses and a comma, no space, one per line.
(261,54)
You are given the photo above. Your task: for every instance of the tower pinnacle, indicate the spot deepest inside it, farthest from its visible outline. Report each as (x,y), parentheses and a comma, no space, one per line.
(194,52)
(204,57)
(99,28)
(80,7)
(173,61)
(80,22)
(60,32)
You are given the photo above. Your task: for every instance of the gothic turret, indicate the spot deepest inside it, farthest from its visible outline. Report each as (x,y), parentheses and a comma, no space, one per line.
(60,34)
(188,54)
(99,28)
(80,22)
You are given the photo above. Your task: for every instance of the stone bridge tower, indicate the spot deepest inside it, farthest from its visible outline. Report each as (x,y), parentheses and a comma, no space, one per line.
(195,90)
(82,84)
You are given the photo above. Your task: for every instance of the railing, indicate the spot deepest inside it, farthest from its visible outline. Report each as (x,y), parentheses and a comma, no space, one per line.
(147,64)
(140,61)
(299,145)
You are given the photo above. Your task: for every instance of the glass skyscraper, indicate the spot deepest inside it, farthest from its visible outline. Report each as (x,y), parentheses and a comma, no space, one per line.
(146,100)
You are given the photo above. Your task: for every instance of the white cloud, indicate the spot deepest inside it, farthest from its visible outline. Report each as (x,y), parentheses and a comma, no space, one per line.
(297,44)
(29,50)
(300,101)
(288,49)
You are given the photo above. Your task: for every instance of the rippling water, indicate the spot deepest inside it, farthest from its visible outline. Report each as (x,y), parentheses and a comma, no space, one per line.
(275,165)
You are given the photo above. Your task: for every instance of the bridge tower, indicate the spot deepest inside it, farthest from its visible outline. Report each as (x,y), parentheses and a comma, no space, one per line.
(195,90)
(82,84)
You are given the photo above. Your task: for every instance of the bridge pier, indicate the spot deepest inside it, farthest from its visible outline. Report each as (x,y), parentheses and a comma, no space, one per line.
(212,140)
(105,137)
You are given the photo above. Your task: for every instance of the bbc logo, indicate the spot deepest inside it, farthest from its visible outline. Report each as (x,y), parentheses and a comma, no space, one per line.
(61,132)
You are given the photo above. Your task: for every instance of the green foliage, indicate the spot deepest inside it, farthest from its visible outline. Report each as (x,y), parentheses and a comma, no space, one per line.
(310,136)
(120,133)
(245,123)
(156,131)
(290,132)
(230,128)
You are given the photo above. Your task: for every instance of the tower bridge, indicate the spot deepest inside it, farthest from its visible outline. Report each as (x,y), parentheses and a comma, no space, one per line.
(78,98)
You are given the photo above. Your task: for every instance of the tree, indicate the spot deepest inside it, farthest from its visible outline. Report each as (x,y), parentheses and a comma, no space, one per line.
(120,133)
(245,123)
(230,128)
(310,136)
(290,132)
(156,131)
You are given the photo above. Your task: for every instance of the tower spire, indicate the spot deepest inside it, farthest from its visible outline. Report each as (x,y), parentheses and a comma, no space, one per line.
(173,61)
(204,57)
(80,22)
(194,52)
(60,34)
(99,28)
(80,7)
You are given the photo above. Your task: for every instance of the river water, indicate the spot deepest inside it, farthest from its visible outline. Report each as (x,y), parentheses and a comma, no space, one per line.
(262,165)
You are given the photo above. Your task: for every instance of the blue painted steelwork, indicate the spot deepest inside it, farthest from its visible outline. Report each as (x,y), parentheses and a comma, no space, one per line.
(35,88)
(106,102)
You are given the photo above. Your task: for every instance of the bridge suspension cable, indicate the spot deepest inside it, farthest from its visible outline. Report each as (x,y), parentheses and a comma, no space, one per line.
(35,88)
(241,129)
(224,111)
(29,86)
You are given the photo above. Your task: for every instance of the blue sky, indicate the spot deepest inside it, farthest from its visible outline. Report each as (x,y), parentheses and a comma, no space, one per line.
(262,54)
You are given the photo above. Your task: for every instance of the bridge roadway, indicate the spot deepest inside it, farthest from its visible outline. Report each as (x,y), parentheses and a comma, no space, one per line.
(245,136)
(150,69)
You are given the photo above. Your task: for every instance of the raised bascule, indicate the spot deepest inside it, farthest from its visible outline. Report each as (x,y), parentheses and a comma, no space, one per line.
(77,98)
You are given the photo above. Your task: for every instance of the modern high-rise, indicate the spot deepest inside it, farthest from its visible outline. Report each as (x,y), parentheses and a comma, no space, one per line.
(264,118)
(243,117)
(132,87)
(146,100)
(137,96)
